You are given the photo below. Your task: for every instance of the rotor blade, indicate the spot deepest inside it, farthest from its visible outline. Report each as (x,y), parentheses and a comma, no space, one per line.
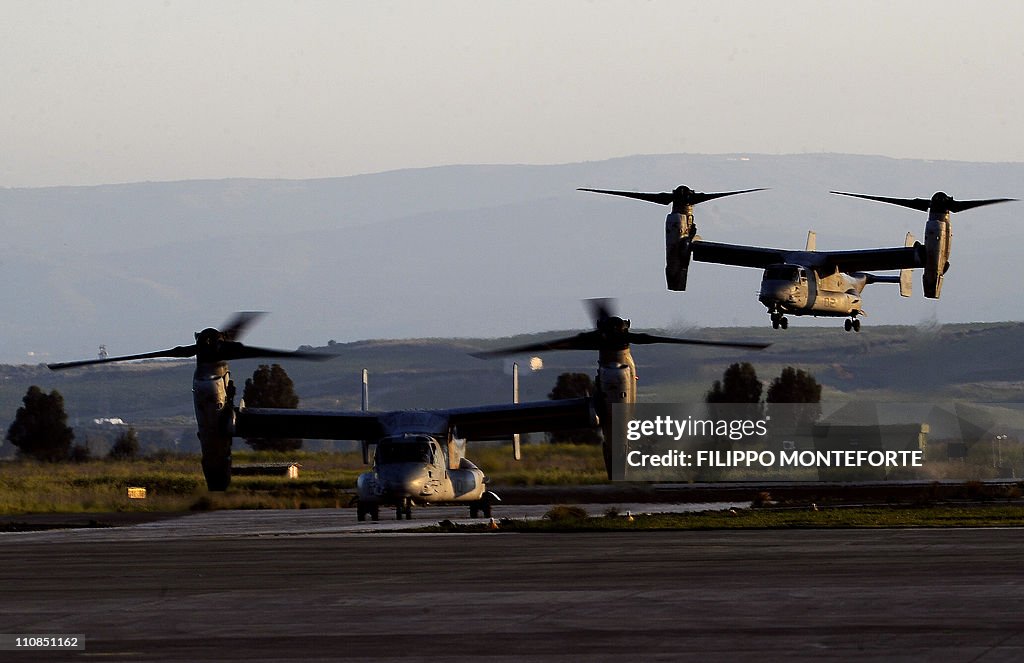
(920,204)
(235,350)
(680,195)
(939,201)
(961,205)
(180,351)
(697,198)
(584,341)
(240,323)
(600,308)
(647,339)
(658,198)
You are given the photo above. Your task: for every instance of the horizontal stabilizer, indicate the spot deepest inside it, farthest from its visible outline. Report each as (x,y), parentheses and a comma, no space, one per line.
(903,280)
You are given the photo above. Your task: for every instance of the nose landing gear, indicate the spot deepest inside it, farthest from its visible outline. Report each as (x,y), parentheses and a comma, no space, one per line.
(852,323)
(779,320)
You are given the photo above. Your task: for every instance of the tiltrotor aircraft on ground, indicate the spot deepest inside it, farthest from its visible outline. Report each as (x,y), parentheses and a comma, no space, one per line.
(419,454)
(809,282)
(616,371)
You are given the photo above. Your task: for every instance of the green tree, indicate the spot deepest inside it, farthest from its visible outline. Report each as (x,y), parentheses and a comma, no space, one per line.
(40,427)
(794,400)
(270,386)
(126,446)
(794,385)
(739,384)
(574,385)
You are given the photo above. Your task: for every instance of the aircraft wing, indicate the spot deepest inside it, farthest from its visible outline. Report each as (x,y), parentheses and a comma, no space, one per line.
(871,259)
(497,422)
(307,424)
(845,261)
(484,422)
(735,254)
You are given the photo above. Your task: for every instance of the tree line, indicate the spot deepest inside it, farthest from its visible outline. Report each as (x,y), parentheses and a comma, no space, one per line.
(40,428)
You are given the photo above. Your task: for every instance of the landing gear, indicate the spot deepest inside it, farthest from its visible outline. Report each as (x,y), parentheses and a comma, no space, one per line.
(481,507)
(405,508)
(363,509)
(853,324)
(779,320)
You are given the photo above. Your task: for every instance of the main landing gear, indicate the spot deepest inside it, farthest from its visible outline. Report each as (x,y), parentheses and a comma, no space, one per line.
(852,323)
(372,509)
(363,510)
(482,507)
(779,320)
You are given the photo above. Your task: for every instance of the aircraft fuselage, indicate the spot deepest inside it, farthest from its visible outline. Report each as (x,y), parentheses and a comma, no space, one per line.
(417,469)
(799,290)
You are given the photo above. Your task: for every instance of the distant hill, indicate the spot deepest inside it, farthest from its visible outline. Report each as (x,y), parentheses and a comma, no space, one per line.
(970,362)
(482,251)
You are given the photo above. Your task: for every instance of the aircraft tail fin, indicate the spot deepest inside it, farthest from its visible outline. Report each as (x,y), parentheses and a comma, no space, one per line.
(517,451)
(906,280)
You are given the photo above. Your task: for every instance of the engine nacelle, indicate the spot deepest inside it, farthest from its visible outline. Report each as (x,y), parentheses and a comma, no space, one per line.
(616,383)
(938,240)
(213,395)
(679,233)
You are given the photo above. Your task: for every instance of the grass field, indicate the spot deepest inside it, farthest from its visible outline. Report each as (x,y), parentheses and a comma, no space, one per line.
(174,484)
(326,479)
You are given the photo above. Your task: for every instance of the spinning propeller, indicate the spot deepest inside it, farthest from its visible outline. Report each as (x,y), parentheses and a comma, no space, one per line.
(211,346)
(940,202)
(680,198)
(611,333)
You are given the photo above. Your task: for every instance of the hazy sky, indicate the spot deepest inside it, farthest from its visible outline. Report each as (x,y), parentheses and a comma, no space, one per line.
(124,91)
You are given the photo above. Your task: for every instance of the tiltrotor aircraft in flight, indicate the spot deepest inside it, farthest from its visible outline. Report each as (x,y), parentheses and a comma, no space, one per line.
(808,281)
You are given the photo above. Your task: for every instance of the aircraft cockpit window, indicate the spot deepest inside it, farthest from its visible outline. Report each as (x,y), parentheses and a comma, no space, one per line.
(403,452)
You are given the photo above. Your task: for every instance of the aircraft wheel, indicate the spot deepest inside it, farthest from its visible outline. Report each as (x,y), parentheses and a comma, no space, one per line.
(486,509)
(775,323)
(784,323)
(360,513)
(856,325)
(375,513)
(474,510)
(848,325)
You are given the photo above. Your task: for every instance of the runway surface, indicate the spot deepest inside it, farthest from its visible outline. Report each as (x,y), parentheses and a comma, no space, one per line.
(302,586)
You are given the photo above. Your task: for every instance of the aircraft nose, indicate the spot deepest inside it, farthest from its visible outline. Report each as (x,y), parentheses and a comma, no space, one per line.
(406,481)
